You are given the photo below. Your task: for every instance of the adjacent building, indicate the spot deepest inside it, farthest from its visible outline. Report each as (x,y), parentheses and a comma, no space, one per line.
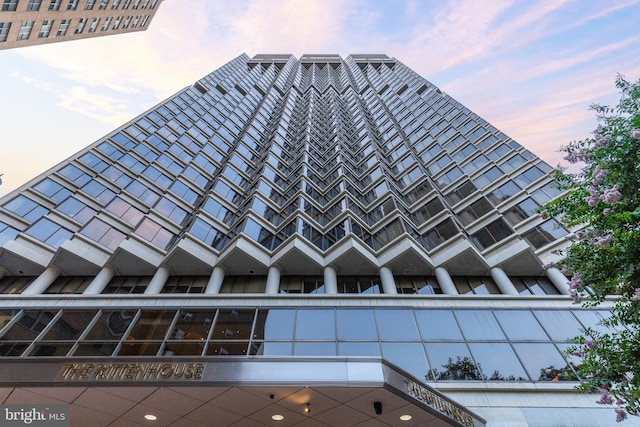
(33,22)
(321,241)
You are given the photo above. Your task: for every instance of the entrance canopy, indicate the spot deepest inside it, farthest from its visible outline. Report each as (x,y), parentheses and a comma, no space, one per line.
(232,392)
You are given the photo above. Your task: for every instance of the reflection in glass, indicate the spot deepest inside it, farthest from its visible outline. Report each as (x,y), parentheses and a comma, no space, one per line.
(408,356)
(561,325)
(29,326)
(479,325)
(139,348)
(306,348)
(356,325)
(233,324)
(315,325)
(192,325)
(274,325)
(397,325)
(70,325)
(520,325)
(358,348)
(543,362)
(452,361)
(152,325)
(438,325)
(498,362)
(46,349)
(227,349)
(270,348)
(111,325)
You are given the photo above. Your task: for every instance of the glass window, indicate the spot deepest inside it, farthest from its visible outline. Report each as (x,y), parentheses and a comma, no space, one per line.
(356,325)
(111,325)
(498,362)
(151,325)
(410,356)
(170,210)
(103,234)
(4,30)
(360,348)
(124,211)
(315,325)
(70,325)
(543,362)
(274,325)
(561,325)
(142,193)
(74,174)
(49,232)
(233,324)
(397,325)
(64,26)
(479,325)
(25,28)
(545,233)
(438,325)
(154,233)
(520,325)
(98,192)
(7,233)
(25,208)
(9,5)
(52,189)
(452,362)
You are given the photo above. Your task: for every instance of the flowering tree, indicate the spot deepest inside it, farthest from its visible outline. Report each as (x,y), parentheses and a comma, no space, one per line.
(603,200)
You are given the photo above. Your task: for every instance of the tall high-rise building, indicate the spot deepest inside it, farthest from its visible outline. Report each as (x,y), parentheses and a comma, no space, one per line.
(313,242)
(32,22)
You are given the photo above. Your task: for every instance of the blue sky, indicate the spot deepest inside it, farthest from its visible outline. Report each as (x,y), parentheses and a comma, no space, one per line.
(531,68)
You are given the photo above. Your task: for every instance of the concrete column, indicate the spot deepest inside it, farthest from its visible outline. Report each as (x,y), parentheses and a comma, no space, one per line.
(273,280)
(503,282)
(157,281)
(330,280)
(558,279)
(215,281)
(445,282)
(388,282)
(100,282)
(44,280)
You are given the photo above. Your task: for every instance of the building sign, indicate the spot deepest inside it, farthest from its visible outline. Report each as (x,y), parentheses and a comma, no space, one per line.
(435,401)
(134,371)
(54,415)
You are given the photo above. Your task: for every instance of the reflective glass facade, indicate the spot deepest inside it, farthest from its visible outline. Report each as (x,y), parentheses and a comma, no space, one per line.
(286,208)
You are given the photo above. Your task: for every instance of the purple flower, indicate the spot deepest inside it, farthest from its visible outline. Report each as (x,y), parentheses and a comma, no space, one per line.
(599,173)
(578,353)
(591,344)
(592,200)
(603,241)
(565,270)
(635,133)
(601,141)
(606,211)
(612,195)
(605,399)
(621,415)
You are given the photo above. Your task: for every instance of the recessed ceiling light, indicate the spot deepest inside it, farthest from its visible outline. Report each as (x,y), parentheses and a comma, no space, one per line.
(405,417)
(150,417)
(277,417)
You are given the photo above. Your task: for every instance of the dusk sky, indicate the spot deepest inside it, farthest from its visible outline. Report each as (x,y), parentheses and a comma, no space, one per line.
(531,68)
